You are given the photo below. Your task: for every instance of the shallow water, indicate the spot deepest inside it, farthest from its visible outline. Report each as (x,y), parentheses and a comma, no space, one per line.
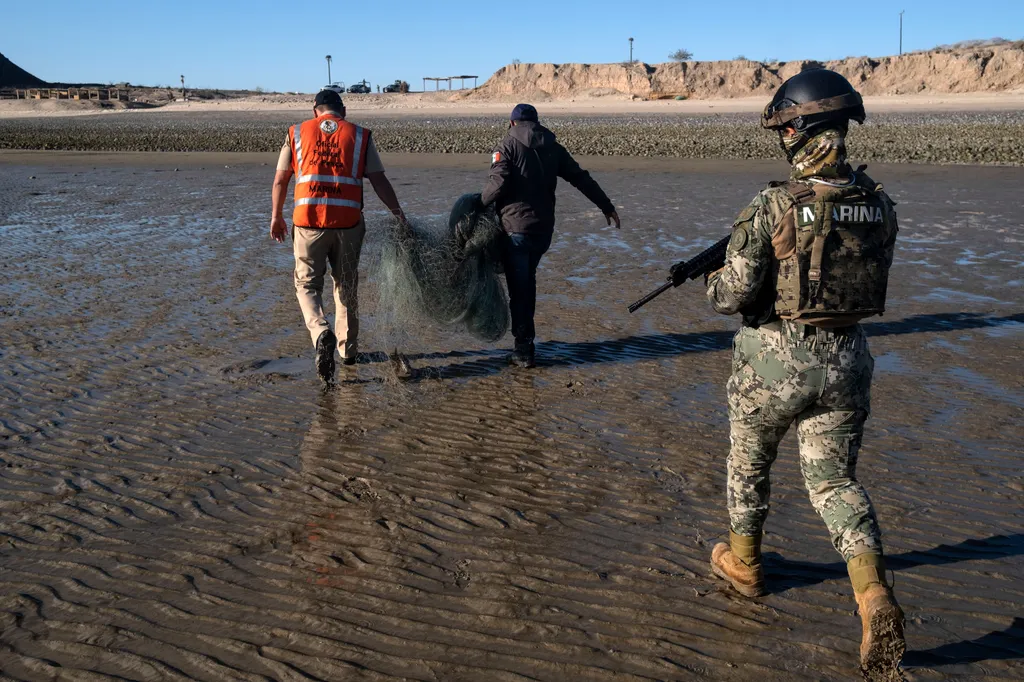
(179,500)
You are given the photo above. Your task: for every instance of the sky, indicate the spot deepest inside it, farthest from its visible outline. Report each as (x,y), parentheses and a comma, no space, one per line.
(281,46)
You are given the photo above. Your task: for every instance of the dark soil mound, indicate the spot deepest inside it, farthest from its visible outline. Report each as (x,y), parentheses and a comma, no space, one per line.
(13,76)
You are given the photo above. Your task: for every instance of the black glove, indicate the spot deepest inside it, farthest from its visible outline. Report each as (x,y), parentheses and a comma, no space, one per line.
(679,275)
(478,203)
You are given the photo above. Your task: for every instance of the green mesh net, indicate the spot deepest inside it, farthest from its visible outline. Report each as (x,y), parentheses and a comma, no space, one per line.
(445,273)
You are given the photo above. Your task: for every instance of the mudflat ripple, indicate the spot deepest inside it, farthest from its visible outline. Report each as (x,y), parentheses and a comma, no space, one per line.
(178,501)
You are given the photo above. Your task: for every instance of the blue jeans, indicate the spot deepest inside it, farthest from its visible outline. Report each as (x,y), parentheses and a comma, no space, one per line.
(521,260)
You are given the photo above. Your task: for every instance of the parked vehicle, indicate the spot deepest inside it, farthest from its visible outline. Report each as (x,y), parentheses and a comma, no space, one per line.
(335,87)
(397,86)
(360,88)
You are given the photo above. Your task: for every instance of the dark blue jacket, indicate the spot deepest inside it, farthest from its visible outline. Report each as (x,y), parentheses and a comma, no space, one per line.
(524,174)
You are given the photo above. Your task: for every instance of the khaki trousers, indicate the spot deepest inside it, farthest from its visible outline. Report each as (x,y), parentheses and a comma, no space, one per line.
(315,249)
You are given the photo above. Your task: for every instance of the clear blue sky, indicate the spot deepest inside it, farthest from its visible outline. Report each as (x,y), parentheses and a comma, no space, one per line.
(281,45)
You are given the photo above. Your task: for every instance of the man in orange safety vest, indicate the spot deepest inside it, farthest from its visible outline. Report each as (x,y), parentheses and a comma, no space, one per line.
(329,158)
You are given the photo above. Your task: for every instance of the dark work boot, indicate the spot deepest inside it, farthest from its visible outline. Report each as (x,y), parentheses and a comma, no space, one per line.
(325,357)
(522,356)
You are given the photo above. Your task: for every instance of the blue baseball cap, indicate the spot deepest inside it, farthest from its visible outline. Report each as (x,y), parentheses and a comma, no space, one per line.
(524,112)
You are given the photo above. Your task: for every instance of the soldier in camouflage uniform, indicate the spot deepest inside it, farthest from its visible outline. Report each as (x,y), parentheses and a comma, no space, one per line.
(807,260)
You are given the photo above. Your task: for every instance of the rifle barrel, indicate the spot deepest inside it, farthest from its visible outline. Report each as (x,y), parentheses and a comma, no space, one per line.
(651,296)
(711,258)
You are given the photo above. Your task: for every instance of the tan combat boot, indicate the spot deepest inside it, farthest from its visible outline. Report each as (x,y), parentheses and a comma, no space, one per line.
(739,562)
(882,644)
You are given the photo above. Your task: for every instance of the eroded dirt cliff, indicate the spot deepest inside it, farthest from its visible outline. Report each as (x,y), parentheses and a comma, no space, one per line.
(981,69)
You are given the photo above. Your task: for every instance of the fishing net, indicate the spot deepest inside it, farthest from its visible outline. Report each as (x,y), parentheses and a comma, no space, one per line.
(445,274)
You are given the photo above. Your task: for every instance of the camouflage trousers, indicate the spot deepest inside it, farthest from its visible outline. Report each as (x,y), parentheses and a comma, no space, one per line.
(783,373)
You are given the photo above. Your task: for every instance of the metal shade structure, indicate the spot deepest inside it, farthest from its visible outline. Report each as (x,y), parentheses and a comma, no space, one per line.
(437,81)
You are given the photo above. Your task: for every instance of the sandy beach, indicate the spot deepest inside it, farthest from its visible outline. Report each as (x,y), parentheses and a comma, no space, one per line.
(180,502)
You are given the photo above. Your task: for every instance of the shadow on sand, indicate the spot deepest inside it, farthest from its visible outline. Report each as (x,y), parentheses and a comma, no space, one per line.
(785,574)
(654,346)
(999,645)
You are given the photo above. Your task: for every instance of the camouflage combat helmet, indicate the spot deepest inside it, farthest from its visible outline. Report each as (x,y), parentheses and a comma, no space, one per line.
(812,100)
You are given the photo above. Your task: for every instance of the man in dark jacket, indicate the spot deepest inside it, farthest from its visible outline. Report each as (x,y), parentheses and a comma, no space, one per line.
(525,168)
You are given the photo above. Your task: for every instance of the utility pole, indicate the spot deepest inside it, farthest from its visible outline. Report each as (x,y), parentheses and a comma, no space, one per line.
(630,50)
(901,32)
(329,81)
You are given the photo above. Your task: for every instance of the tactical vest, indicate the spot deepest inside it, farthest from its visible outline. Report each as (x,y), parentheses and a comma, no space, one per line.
(329,161)
(834,249)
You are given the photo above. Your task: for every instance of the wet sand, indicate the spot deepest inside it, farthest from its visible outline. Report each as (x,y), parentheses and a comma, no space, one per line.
(179,501)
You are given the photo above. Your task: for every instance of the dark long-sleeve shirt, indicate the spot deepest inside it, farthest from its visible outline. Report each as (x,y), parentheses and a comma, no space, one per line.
(525,168)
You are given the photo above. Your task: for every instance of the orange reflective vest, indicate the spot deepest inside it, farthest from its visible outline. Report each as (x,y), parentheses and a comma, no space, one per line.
(328,159)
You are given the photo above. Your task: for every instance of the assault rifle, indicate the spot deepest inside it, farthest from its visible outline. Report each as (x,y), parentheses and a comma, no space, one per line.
(706,261)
